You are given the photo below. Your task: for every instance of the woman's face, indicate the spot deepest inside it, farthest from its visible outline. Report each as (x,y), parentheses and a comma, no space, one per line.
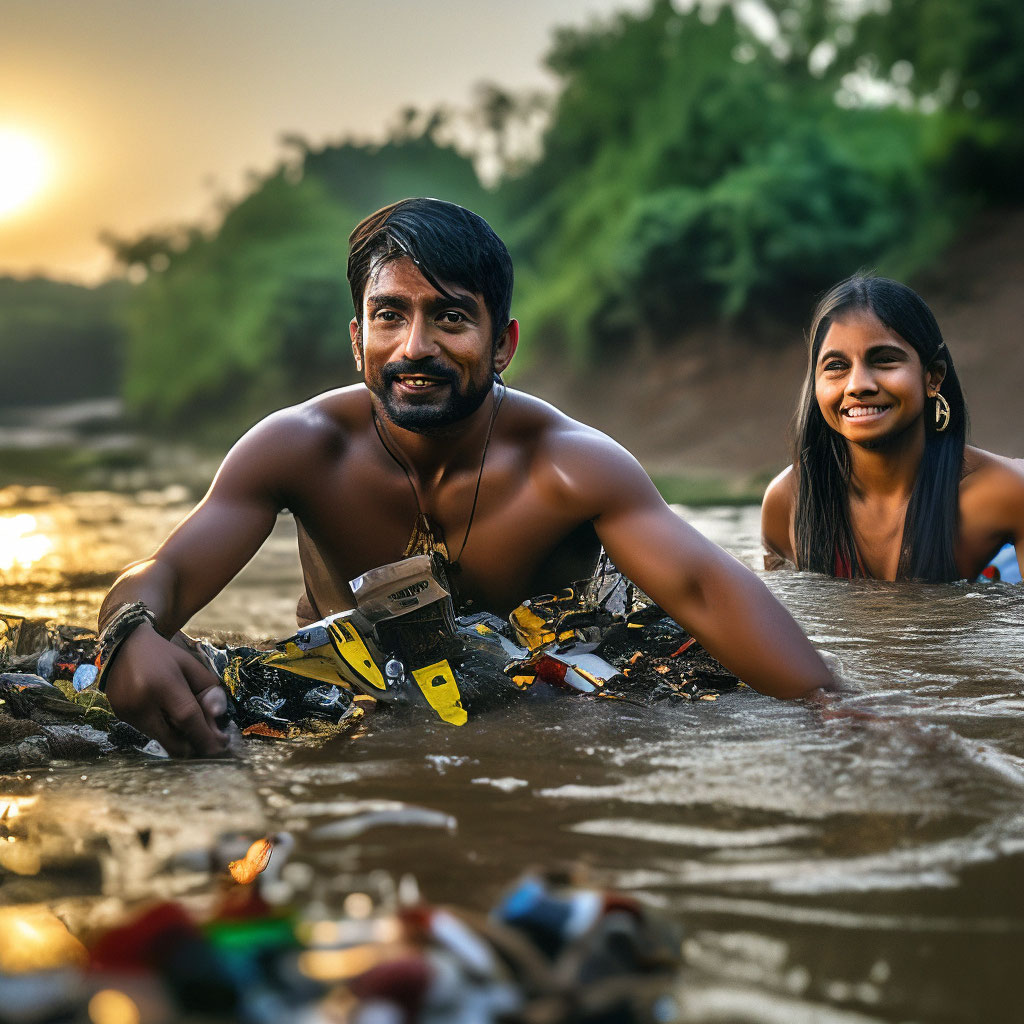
(869,383)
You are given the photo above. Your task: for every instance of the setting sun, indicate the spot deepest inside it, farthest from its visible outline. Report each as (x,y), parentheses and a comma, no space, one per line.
(24,170)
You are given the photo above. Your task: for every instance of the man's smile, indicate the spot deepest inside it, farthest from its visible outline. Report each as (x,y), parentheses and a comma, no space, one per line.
(419,382)
(407,377)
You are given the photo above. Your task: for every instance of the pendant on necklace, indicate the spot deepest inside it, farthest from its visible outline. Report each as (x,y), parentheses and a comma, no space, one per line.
(427,538)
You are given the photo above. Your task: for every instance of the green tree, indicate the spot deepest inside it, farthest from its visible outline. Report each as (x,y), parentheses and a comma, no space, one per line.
(697,167)
(253,315)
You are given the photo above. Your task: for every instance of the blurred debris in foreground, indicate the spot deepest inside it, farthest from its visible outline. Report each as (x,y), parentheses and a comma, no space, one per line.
(548,952)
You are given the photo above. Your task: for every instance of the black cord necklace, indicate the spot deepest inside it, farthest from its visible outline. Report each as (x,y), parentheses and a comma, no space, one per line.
(424,524)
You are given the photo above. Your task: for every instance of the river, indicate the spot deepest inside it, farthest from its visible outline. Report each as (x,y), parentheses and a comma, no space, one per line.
(826,868)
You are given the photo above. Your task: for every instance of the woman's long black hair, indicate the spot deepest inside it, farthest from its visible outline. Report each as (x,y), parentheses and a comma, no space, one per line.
(821,458)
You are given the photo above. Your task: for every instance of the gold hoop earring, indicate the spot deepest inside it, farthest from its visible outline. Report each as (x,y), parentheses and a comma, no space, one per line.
(942,413)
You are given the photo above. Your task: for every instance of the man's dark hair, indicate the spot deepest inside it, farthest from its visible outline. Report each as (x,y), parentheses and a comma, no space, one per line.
(445,241)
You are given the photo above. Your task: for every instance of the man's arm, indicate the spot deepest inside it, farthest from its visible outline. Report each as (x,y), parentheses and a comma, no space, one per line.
(153,683)
(719,601)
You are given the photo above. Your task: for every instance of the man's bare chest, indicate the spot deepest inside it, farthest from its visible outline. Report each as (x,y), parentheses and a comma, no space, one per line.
(506,540)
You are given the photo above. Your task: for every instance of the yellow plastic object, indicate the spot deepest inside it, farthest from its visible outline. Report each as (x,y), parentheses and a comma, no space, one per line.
(532,630)
(309,666)
(349,647)
(344,660)
(538,622)
(437,682)
(321,667)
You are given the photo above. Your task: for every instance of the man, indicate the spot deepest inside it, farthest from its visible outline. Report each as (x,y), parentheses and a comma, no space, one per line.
(432,453)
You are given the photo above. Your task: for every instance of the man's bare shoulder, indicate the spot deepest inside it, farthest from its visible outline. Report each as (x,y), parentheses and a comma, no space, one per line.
(325,420)
(544,423)
(285,448)
(570,459)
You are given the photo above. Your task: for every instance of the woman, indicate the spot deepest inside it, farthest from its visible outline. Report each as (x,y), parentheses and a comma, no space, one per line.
(882,483)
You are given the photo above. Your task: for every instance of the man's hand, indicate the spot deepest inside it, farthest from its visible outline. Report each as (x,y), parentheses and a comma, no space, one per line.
(164,692)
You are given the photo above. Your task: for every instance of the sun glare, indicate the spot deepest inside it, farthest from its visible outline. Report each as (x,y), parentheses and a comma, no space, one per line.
(24,170)
(21,545)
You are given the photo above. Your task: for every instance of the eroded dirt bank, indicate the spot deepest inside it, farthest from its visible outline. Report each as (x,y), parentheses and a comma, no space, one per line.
(686,409)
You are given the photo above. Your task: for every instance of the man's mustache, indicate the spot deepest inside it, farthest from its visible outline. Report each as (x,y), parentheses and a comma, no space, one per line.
(390,372)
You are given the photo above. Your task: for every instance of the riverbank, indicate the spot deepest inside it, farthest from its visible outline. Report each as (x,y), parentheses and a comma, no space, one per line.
(716,404)
(707,414)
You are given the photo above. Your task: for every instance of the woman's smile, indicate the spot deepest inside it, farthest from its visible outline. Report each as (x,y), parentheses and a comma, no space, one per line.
(864,412)
(869,382)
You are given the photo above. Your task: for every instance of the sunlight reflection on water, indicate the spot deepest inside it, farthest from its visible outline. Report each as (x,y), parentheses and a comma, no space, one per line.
(21,543)
(827,868)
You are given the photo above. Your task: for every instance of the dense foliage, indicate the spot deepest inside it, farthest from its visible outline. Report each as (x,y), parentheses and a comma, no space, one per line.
(699,161)
(257,313)
(696,168)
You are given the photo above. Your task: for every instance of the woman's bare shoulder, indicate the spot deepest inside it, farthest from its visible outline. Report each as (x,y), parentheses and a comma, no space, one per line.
(778,510)
(780,494)
(993,485)
(986,468)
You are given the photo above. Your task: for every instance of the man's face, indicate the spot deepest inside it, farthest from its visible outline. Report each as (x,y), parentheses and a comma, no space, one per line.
(429,359)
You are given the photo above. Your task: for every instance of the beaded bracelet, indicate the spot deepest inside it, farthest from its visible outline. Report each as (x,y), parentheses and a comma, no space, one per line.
(125,621)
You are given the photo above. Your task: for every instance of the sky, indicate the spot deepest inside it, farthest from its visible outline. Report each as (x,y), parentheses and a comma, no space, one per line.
(127,115)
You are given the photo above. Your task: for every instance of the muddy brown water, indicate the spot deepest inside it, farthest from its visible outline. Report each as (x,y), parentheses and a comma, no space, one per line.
(825,868)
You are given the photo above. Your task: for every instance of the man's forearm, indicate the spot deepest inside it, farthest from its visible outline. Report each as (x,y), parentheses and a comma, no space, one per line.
(153,583)
(741,623)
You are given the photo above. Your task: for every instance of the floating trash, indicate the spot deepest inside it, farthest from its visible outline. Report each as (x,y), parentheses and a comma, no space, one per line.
(548,951)
(401,648)
(256,859)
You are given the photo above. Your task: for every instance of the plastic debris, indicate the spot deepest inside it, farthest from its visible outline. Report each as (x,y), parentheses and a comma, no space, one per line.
(257,857)
(401,647)
(1002,567)
(547,952)
(40,723)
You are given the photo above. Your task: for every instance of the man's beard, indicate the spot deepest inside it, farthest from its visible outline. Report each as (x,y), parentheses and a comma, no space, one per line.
(427,416)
